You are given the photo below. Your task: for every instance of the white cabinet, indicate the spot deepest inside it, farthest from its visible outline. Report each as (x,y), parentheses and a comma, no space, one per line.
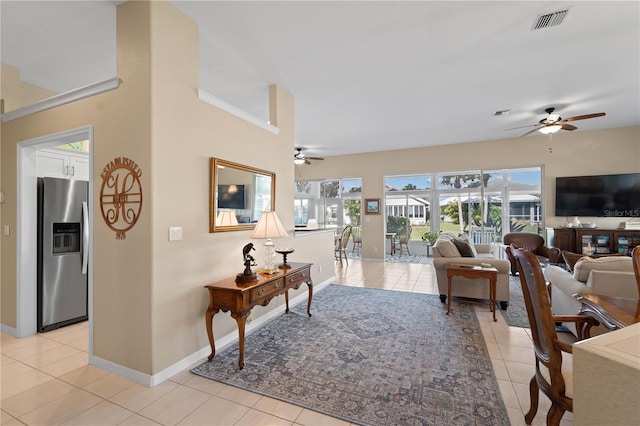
(61,163)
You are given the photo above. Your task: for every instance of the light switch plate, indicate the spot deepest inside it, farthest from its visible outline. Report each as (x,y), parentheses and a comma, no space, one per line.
(6,230)
(175,233)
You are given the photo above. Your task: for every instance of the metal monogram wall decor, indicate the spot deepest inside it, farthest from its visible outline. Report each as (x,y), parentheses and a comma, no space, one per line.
(121,195)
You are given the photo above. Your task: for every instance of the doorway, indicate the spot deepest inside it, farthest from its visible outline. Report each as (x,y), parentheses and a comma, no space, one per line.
(26,232)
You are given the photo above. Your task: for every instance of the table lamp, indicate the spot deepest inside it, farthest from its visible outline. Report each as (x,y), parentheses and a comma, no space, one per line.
(269,226)
(226,218)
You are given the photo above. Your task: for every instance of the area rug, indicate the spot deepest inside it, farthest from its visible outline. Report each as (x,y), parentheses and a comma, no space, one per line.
(371,357)
(396,258)
(516,313)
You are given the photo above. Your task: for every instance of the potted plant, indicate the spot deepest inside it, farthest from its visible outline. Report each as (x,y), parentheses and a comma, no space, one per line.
(430,236)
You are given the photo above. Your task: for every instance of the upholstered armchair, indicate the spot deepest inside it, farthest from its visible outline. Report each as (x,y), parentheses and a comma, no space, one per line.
(533,243)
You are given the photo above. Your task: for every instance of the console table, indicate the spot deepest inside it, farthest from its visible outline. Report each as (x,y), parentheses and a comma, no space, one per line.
(240,298)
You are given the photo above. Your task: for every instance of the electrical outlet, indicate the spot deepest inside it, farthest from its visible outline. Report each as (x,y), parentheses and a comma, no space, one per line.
(319,268)
(175,233)
(6,230)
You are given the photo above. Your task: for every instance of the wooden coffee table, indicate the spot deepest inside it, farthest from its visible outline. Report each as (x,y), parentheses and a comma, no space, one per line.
(473,272)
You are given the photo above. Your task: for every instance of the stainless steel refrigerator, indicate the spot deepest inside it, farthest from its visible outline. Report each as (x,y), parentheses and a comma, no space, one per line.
(63,241)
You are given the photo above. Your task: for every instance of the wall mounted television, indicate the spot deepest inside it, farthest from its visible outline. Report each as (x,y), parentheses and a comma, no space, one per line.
(231,197)
(599,196)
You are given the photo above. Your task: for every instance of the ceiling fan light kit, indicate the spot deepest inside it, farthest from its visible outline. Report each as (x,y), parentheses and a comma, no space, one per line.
(546,130)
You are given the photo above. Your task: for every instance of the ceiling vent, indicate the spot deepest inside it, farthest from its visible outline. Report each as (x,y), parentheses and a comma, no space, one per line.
(549,19)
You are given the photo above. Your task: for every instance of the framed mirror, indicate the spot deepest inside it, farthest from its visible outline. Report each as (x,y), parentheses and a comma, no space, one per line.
(238,195)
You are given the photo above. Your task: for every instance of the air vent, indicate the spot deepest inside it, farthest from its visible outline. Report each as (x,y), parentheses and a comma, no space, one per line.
(549,19)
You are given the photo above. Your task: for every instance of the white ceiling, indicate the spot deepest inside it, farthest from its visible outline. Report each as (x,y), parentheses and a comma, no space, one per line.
(370,75)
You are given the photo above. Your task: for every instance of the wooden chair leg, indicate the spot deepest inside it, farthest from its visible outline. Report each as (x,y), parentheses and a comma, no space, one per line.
(533,396)
(555,415)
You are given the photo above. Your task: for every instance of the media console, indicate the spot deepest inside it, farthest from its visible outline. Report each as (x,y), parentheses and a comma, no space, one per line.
(599,241)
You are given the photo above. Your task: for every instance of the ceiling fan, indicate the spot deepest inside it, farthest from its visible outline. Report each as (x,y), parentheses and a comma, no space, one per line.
(553,122)
(300,158)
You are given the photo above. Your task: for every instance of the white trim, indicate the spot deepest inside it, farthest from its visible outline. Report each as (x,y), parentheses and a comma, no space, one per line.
(26,238)
(232,109)
(8,330)
(62,99)
(223,342)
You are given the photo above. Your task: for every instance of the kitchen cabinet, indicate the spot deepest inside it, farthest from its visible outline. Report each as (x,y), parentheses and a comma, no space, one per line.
(62,163)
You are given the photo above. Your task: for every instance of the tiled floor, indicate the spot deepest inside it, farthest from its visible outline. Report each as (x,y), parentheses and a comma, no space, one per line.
(46,379)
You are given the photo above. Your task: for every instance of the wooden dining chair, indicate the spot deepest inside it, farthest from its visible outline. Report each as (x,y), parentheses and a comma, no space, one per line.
(635,255)
(402,239)
(356,237)
(341,244)
(551,376)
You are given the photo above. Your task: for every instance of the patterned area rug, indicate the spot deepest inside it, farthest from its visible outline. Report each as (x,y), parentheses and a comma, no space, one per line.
(396,258)
(371,356)
(516,313)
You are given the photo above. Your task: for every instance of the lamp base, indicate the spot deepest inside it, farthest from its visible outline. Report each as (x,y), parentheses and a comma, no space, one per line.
(247,278)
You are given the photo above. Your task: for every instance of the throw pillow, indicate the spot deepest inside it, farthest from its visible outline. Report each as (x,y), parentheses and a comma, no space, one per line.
(465,237)
(446,248)
(463,247)
(584,266)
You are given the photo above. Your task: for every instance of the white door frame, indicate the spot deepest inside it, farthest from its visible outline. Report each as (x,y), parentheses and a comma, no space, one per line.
(26,232)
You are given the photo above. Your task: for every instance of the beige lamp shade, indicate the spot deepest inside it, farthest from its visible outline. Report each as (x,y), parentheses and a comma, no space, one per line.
(269,226)
(226,218)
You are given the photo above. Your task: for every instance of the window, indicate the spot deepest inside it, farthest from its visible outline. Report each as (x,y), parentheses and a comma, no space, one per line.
(333,203)
(407,203)
(477,202)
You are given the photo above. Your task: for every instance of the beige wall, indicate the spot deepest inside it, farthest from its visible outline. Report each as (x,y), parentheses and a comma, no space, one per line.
(149,301)
(574,153)
(16,93)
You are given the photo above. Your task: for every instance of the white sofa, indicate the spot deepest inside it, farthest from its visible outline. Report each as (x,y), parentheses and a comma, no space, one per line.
(609,276)
(445,251)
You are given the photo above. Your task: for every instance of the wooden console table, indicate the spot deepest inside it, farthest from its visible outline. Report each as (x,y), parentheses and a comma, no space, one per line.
(240,298)
(473,272)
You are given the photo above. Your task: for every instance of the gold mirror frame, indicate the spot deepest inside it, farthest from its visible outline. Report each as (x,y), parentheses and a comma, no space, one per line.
(249,197)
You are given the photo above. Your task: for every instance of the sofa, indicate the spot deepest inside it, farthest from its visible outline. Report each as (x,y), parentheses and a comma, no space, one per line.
(610,276)
(449,248)
(533,243)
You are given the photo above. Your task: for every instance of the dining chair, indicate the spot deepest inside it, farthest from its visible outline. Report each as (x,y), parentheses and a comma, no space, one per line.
(553,356)
(402,239)
(635,255)
(341,244)
(356,237)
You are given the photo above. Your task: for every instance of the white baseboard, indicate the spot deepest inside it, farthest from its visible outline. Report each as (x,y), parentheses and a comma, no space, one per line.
(9,330)
(230,338)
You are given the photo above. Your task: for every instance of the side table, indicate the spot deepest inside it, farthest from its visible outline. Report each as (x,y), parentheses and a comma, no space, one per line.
(473,272)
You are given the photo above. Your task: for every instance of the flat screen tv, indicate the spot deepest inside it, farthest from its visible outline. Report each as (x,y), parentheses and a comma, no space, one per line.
(599,196)
(231,197)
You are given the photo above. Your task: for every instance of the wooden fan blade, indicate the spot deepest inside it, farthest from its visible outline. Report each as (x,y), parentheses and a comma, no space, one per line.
(584,117)
(315,158)
(522,127)
(568,127)
(307,161)
(532,131)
